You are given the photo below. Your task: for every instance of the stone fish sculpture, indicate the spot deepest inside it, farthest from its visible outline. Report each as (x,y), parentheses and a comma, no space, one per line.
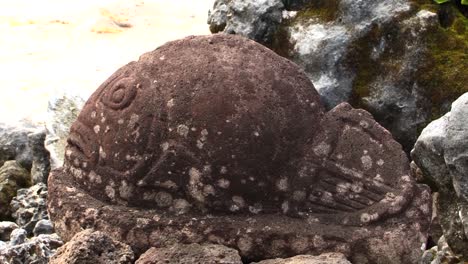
(217,139)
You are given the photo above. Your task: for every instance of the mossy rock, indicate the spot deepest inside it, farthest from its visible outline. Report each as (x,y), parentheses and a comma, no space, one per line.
(12,178)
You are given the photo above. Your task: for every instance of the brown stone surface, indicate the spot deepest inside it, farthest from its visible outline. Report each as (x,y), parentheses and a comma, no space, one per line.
(93,247)
(216,139)
(191,254)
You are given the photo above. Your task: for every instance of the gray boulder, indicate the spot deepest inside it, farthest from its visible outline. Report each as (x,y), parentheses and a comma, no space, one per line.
(89,247)
(12,178)
(390,57)
(442,154)
(18,237)
(30,206)
(192,253)
(257,20)
(5,230)
(43,227)
(40,156)
(325,258)
(62,111)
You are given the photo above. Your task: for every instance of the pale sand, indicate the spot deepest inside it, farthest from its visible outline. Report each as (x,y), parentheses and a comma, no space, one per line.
(47,46)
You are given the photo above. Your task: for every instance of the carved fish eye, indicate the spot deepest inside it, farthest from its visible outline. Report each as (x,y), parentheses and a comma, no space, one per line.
(121,94)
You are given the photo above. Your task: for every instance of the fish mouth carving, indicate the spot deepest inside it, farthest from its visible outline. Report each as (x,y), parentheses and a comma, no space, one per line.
(81,150)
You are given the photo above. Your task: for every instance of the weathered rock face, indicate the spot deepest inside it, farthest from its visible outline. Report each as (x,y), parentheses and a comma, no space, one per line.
(441,153)
(88,247)
(40,156)
(390,57)
(12,178)
(216,139)
(257,20)
(326,258)
(193,253)
(62,111)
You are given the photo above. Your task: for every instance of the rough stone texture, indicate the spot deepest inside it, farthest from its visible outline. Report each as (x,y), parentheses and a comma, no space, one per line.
(30,206)
(37,250)
(231,146)
(380,55)
(257,20)
(12,178)
(14,143)
(5,230)
(93,247)
(191,254)
(441,153)
(326,258)
(62,111)
(40,157)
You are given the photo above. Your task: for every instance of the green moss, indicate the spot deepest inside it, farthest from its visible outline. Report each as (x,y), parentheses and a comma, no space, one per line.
(324,10)
(445,72)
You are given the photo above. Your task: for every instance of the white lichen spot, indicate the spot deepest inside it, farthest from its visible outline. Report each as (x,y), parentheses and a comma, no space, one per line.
(223,183)
(103,119)
(378,180)
(322,149)
(285,207)
(102,154)
(365,218)
(181,206)
(125,190)
(195,185)
(170,103)
(208,190)
(380,162)
(406,178)
(162,58)
(204,132)
(343,187)
(256,133)
(148,196)
(182,130)
(366,162)
(133,120)
(84,165)
(110,192)
(93,114)
(164,146)
(245,244)
(364,124)
(120,121)
(107,129)
(256,208)
(96,129)
(68,153)
(339,156)
(163,199)
(223,170)
(239,201)
(200,144)
(357,187)
(299,195)
(95,178)
(282,184)
(319,242)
